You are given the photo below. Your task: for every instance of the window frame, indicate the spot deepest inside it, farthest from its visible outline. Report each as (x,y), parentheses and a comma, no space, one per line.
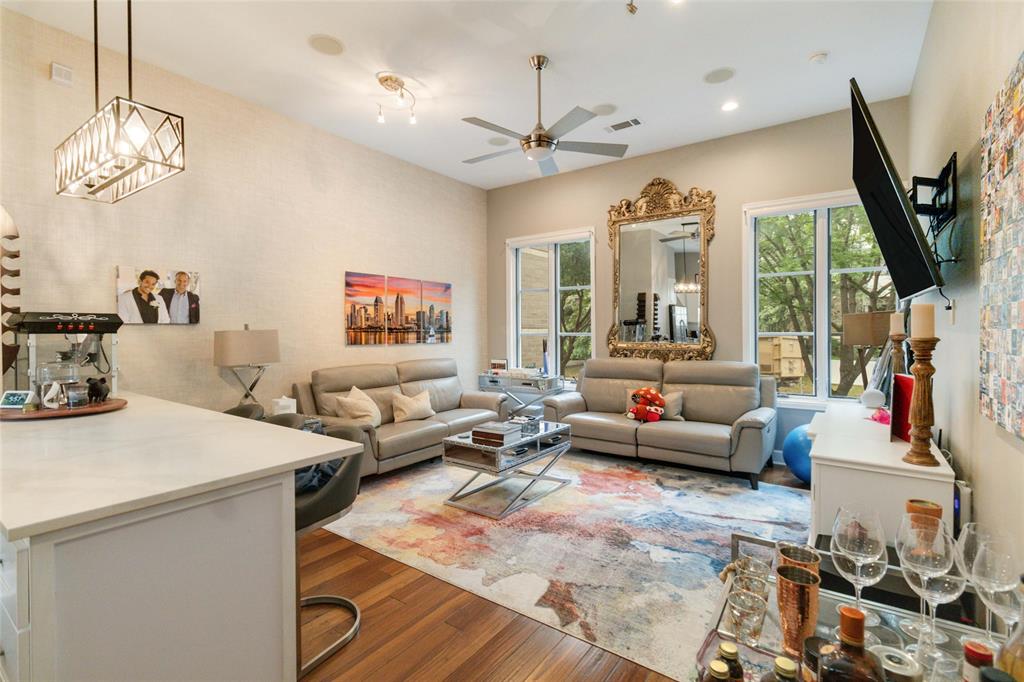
(551,241)
(822,204)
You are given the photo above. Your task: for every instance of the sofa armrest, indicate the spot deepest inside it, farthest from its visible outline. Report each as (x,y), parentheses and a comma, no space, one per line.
(757,418)
(305,403)
(483,400)
(753,440)
(358,432)
(558,407)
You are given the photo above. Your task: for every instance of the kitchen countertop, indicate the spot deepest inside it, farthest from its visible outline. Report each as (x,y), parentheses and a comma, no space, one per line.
(56,473)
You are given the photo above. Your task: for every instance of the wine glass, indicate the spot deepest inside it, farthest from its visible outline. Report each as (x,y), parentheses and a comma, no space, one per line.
(867,575)
(927,557)
(972,535)
(858,536)
(997,576)
(916,627)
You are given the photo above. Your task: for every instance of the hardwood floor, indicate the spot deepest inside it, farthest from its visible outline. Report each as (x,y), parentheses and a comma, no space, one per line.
(417,627)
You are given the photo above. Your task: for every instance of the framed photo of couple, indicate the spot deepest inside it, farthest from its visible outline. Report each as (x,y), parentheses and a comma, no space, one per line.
(157,295)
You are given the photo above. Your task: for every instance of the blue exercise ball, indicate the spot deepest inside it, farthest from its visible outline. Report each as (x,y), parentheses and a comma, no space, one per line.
(796,450)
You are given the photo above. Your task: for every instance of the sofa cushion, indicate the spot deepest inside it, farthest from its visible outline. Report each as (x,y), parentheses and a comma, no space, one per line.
(411,408)
(379,381)
(603,426)
(464,418)
(673,407)
(607,382)
(359,407)
(439,377)
(398,439)
(687,436)
(717,391)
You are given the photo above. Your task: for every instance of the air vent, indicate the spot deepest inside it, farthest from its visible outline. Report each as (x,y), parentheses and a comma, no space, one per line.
(616,127)
(60,74)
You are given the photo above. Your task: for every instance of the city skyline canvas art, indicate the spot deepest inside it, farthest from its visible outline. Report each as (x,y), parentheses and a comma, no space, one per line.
(396,310)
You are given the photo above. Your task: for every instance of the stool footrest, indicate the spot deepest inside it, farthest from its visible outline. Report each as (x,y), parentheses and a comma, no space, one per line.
(330,600)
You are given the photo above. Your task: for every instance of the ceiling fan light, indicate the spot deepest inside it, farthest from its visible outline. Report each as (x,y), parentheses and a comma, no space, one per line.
(539,153)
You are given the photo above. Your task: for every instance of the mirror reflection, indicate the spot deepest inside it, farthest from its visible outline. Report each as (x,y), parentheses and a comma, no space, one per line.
(659,286)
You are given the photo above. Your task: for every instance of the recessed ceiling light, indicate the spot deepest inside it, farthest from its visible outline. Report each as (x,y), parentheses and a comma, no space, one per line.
(819,57)
(499,141)
(719,75)
(677,2)
(604,109)
(730,105)
(325,44)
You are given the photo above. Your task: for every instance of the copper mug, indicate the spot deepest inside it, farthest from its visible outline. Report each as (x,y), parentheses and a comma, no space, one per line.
(797,592)
(804,556)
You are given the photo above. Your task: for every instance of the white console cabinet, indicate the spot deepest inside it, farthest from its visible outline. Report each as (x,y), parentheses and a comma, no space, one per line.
(855,464)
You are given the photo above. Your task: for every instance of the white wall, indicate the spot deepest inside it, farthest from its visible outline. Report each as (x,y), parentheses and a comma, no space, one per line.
(810,156)
(270,211)
(968,52)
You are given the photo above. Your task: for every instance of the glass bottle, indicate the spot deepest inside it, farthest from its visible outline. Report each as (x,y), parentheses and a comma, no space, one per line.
(785,671)
(729,654)
(718,671)
(850,662)
(1011,655)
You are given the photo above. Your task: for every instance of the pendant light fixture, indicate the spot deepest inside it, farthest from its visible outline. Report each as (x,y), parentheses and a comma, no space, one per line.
(125,147)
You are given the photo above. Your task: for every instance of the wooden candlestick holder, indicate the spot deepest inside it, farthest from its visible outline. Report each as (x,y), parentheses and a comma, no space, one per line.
(922,413)
(899,358)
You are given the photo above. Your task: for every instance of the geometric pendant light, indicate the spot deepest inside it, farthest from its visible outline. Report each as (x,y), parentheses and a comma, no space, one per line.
(125,147)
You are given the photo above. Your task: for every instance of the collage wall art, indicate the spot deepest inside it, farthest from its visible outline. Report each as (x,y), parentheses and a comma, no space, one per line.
(1002,257)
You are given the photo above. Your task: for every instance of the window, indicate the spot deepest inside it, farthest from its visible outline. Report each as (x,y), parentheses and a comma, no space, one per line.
(813,266)
(552,304)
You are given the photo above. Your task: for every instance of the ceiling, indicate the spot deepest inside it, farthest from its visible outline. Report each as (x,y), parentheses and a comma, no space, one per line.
(470,59)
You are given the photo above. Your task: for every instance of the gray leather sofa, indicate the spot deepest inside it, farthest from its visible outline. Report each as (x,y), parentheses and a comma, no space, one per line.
(390,445)
(729,420)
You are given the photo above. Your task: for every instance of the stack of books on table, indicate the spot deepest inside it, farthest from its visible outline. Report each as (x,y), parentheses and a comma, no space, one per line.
(497,434)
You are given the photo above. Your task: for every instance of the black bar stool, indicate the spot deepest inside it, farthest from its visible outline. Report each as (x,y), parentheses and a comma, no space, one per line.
(314,510)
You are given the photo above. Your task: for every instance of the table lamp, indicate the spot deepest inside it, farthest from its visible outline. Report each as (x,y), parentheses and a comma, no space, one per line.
(252,348)
(865,330)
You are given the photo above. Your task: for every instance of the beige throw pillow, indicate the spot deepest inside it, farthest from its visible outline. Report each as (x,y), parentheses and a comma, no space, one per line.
(359,407)
(673,407)
(409,408)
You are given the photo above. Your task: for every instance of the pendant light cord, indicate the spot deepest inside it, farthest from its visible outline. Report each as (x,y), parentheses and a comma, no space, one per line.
(96,52)
(130,51)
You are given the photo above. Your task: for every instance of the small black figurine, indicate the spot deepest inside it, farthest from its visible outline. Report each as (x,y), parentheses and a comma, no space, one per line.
(98,389)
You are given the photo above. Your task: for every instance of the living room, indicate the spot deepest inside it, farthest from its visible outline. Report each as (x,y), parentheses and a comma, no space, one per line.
(571,307)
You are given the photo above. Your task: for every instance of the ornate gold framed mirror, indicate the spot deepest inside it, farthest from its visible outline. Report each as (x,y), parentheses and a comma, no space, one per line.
(660,289)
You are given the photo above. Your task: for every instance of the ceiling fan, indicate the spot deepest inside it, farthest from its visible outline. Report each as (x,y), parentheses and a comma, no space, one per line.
(542,142)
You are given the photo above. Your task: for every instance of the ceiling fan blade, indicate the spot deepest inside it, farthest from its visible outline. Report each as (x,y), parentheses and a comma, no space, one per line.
(602,148)
(477,159)
(571,121)
(494,127)
(548,166)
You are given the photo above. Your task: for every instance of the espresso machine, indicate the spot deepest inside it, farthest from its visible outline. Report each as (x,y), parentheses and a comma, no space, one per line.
(56,380)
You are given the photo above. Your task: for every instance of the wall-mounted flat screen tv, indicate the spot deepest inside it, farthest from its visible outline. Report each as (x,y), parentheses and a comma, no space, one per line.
(903,244)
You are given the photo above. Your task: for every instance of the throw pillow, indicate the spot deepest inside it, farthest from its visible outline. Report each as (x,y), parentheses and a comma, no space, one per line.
(674,407)
(359,407)
(408,408)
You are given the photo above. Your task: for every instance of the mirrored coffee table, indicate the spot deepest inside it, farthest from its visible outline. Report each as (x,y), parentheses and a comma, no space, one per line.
(505,463)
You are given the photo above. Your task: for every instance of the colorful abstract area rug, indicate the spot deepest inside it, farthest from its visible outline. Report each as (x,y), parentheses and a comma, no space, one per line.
(627,556)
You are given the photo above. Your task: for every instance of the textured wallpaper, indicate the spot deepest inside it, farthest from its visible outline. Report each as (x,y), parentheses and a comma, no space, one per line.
(271,212)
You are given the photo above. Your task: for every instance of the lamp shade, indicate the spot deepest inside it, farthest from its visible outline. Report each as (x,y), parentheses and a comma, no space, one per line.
(240,347)
(866,329)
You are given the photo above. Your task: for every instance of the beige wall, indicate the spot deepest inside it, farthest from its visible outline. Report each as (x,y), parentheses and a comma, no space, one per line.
(968,52)
(804,157)
(270,211)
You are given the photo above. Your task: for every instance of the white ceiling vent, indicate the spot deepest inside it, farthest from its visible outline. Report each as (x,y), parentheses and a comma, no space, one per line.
(622,125)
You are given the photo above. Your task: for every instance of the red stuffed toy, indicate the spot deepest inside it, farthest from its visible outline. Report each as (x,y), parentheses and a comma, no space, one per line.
(649,405)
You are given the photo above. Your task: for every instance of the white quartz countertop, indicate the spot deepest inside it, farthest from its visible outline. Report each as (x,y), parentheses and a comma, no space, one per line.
(56,473)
